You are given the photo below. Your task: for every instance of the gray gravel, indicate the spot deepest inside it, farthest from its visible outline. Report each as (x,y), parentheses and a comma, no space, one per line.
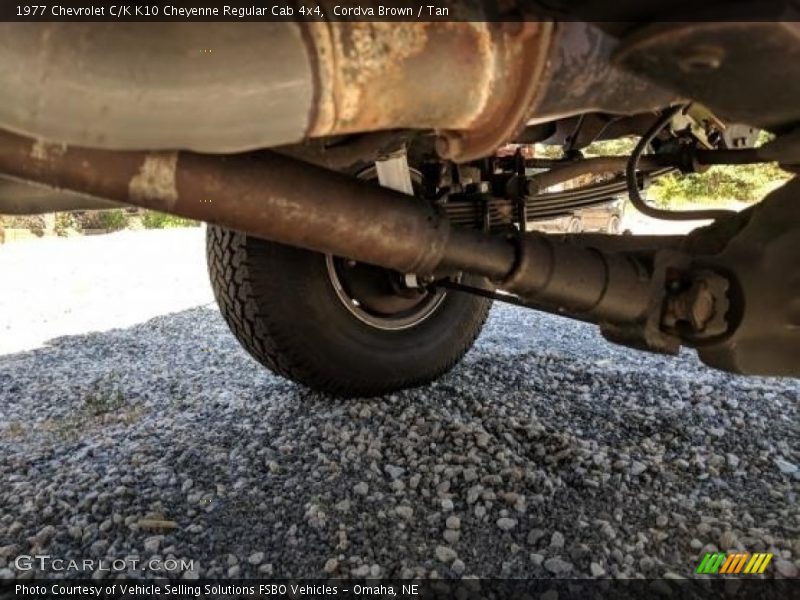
(547,452)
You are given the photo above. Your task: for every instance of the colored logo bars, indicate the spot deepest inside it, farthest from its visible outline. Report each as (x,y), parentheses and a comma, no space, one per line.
(732,564)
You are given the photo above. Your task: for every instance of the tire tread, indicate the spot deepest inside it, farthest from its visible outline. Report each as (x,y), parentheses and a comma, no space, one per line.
(255,319)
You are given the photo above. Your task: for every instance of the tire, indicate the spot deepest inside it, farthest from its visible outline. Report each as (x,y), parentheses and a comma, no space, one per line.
(614,225)
(281,304)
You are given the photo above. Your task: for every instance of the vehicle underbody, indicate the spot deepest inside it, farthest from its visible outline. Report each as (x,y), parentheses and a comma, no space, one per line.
(375,145)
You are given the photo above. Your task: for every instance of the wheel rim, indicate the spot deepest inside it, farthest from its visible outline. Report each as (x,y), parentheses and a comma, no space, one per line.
(378,297)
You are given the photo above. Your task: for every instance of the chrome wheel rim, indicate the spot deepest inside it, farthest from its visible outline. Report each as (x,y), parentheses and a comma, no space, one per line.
(377,296)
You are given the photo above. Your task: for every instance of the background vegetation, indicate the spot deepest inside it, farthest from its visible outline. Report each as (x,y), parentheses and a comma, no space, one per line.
(719,184)
(73,223)
(158,220)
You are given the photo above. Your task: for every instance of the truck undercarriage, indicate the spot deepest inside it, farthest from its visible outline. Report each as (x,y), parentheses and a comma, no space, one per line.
(354,165)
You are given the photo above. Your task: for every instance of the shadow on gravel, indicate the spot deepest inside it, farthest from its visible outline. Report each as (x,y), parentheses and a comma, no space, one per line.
(546,452)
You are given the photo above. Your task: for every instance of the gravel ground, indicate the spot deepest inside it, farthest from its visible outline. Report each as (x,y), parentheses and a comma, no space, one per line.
(547,452)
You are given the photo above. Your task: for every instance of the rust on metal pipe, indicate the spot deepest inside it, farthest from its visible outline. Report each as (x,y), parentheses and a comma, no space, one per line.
(266,195)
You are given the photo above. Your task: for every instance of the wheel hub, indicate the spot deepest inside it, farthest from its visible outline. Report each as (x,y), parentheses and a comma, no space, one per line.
(378,296)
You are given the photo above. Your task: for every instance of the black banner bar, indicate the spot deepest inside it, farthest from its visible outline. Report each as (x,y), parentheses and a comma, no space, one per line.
(395,10)
(712,588)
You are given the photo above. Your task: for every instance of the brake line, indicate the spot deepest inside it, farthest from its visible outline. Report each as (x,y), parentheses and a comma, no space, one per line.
(633,184)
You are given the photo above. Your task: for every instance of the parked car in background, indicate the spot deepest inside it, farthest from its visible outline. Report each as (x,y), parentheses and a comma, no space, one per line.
(605,218)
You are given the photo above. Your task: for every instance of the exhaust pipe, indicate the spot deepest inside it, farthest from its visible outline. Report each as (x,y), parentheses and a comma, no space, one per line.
(270,196)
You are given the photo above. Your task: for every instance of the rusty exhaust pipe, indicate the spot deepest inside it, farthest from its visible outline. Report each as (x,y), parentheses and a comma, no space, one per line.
(270,196)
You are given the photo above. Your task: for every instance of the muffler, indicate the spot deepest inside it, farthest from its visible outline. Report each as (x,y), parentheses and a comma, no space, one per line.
(475,80)
(232,87)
